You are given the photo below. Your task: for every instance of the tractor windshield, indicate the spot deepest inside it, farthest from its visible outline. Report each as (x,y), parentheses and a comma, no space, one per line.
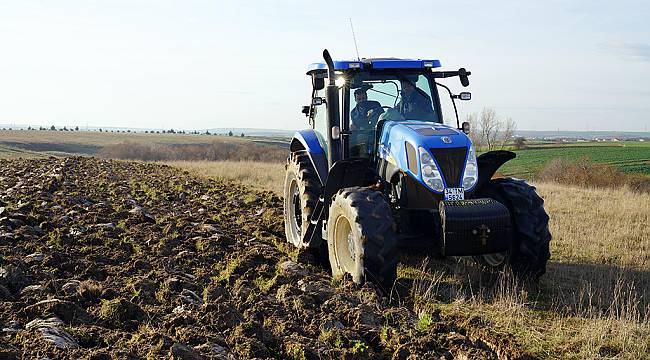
(387,95)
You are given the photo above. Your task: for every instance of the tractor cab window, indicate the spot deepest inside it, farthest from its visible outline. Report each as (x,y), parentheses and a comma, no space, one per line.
(319,121)
(378,96)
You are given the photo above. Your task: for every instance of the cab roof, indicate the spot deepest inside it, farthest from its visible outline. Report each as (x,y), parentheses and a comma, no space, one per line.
(375,63)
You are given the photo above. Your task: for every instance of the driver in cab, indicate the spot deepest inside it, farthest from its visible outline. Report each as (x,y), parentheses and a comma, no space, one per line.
(415,103)
(366,112)
(363,119)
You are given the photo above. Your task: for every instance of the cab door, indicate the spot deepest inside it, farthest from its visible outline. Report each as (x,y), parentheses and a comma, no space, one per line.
(319,119)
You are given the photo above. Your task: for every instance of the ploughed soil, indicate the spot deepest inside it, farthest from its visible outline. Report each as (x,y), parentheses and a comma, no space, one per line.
(106,259)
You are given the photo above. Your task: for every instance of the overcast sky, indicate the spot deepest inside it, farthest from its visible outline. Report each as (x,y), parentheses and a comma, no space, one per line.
(568,65)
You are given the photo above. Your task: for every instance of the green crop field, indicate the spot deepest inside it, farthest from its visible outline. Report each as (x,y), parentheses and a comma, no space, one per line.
(629,156)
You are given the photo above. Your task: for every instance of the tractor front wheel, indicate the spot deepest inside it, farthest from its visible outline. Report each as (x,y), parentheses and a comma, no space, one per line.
(361,237)
(529,252)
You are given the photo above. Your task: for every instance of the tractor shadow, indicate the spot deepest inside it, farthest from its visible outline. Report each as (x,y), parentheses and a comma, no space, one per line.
(580,289)
(595,289)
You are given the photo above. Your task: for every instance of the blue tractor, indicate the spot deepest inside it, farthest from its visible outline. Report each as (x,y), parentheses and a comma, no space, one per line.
(373,176)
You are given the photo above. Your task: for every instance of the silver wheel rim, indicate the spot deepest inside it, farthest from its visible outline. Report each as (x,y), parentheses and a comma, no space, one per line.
(494,260)
(295,212)
(344,247)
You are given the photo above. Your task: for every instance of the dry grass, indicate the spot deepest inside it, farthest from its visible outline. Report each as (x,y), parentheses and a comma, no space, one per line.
(141,146)
(101,139)
(267,176)
(218,151)
(594,301)
(7,152)
(602,226)
(589,174)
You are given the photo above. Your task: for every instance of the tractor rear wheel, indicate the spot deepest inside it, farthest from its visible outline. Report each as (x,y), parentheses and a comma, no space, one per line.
(361,237)
(529,252)
(301,187)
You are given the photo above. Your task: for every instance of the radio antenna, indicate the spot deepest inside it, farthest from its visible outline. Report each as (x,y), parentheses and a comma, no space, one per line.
(355,40)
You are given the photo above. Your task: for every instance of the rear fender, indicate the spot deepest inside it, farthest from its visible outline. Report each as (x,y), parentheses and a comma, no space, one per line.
(345,173)
(308,141)
(489,163)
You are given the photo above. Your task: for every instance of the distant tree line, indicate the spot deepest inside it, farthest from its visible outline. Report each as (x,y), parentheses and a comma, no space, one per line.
(170,131)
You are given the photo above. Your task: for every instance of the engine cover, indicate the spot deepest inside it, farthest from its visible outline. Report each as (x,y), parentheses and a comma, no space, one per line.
(474,227)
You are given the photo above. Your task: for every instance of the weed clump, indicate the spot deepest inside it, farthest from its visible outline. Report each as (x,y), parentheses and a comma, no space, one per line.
(296,352)
(424,323)
(586,173)
(120,312)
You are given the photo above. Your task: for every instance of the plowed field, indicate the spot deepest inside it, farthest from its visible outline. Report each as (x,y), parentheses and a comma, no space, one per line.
(104,259)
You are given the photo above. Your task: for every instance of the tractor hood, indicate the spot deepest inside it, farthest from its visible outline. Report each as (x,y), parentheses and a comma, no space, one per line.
(401,140)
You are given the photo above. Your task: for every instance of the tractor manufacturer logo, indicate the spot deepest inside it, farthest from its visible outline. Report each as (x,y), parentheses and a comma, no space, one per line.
(446,139)
(483,233)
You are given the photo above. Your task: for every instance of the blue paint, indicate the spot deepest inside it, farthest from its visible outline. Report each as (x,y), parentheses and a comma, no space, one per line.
(396,134)
(309,141)
(376,64)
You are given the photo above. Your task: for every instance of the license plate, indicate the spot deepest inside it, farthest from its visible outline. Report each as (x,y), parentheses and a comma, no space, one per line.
(454,194)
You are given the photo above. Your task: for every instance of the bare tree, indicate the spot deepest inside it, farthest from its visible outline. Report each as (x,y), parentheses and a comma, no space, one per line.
(474,129)
(520,143)
(490,127)
(486,129)
(508,134)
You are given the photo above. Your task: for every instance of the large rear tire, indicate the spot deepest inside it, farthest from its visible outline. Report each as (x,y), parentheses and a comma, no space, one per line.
(301,187)
(529,252)
(361,237)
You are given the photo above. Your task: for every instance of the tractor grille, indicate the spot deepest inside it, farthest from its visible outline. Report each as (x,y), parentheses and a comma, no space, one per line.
(451,162)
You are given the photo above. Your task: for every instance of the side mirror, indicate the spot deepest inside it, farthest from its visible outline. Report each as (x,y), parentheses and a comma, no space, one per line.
(305,110)
(317,101)
(465,127)
(465,95)
(318,81)
(464,80)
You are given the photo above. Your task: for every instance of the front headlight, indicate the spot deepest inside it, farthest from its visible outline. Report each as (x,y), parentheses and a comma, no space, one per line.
(430,172)
(471,170)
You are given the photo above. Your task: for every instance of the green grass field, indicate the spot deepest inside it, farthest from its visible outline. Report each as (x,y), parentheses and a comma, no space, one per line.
(628,156)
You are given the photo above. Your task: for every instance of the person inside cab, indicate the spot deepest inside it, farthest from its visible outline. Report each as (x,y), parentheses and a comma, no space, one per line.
(365,113)
(363,119)
(415,104)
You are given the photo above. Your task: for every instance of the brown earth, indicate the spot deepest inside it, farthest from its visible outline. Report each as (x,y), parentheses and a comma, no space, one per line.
(104,259)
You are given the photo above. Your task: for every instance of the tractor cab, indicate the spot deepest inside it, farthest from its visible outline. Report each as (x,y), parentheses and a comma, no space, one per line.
(370,92)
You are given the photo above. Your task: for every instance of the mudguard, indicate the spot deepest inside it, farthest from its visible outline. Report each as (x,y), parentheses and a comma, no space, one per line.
(345,173)
(308,140)
(348,173)
(489,163)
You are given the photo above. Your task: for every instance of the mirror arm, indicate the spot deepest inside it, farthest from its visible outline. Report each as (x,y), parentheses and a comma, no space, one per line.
(451,96)
(462,73)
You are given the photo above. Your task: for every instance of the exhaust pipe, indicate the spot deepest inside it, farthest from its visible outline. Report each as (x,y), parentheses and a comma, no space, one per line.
(333,114)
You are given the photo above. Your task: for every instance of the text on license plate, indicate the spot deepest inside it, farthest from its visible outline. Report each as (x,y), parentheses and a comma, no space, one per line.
(454,194)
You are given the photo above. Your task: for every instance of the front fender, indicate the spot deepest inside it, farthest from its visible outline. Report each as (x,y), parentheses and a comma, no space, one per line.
(308,140)
(489,163)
